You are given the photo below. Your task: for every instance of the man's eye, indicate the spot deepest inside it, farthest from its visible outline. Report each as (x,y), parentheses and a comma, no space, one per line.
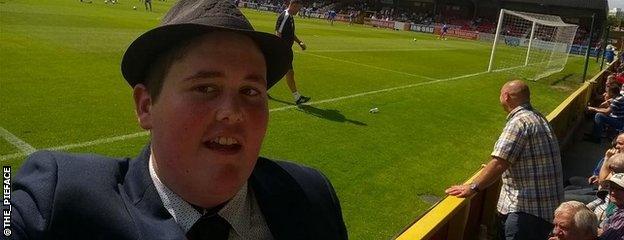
(205,89)
(250,91)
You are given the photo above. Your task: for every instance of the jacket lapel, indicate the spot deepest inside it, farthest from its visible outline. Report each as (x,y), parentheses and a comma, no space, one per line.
(281,200)
(144,204)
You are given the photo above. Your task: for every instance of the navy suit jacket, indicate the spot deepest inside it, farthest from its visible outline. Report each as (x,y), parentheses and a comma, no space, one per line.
(66,196)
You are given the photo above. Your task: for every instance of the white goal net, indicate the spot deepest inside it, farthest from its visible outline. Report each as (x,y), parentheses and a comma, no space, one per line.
(531,45)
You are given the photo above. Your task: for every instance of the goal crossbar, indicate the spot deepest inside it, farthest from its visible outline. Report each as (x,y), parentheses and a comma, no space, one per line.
(530,38)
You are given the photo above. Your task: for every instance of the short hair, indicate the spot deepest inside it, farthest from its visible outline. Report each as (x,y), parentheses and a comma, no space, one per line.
(518,91)
(614,90)
(159,68)
(295,1)
(584,219)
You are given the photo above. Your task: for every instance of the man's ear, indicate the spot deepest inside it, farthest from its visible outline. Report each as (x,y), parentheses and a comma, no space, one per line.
(506,97)
(143,105)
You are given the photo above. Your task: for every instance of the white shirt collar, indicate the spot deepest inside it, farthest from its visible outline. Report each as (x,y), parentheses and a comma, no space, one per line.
(237,212)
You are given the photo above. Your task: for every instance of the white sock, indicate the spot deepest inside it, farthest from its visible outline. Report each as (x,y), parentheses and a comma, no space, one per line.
(296,95)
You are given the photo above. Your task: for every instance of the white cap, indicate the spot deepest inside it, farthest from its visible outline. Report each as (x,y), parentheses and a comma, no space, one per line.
(618,179)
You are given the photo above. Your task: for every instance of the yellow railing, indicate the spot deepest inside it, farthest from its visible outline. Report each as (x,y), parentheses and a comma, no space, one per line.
(466,218)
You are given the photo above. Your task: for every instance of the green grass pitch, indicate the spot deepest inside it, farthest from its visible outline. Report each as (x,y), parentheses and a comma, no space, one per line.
(61,86)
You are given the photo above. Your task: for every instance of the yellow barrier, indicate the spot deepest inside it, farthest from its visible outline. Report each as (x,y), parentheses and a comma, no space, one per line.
(464,218)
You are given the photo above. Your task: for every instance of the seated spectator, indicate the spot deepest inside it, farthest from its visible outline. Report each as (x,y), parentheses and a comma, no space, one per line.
(584,189)
(611,93)
(574,221)
(614,225)
(612,116)
(603,207)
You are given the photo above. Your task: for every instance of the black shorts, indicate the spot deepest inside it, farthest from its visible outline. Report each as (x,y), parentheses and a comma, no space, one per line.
(290,42)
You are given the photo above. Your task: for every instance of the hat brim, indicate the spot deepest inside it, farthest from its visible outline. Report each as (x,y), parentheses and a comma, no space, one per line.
(147,47)
(621,184)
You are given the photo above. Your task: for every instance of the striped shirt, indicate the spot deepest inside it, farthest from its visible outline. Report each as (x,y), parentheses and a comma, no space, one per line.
(241,212)
(614,227)
(617,107)
(533,183)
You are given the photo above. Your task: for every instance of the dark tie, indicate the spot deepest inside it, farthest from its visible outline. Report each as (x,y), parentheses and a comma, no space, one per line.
(212,227)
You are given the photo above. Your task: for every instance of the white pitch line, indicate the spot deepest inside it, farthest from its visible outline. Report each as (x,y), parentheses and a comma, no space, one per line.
(378,50)
(100,141)
(140,134)
(380,91)
(79,145)
(369,66)
(24,147)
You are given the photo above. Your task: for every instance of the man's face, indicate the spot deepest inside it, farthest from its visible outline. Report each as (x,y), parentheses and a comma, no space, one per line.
(208,123)
(610,80)
(619,142)
(295,7)
(564,226)
(616,194)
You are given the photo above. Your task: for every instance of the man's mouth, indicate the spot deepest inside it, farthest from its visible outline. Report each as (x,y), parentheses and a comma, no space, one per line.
(224,145)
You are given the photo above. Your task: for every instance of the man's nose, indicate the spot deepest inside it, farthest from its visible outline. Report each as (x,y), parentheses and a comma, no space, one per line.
(229,109)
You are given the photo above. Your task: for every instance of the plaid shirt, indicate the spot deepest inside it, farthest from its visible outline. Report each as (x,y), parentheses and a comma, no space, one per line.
(533,183)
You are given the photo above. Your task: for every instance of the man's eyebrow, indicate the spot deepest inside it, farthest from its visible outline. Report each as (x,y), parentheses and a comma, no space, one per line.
(204,74)
(255,78)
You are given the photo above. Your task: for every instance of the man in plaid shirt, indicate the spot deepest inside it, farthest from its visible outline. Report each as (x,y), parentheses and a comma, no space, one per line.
(527,158)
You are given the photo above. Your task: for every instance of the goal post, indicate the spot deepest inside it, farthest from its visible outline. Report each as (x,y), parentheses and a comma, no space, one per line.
(532,45)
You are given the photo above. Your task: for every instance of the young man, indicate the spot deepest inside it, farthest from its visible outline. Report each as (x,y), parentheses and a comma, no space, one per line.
(285,29)
(200,85)
(527,158)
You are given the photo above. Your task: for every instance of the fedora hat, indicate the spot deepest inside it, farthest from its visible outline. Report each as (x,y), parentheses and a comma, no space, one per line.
(192,18)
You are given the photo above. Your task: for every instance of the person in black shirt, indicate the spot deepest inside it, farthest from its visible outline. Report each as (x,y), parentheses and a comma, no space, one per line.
(285,29)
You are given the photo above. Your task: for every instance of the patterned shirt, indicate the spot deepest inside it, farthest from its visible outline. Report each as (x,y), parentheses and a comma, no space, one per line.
(241,212)
(614,227)
(617,107)
(533,183)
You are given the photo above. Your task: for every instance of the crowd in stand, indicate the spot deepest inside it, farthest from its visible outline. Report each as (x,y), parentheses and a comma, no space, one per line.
(603,192)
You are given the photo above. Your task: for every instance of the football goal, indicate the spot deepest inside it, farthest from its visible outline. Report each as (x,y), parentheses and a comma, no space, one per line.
(531,45)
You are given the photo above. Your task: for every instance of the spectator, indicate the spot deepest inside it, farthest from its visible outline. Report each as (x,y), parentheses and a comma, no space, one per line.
(614,225)
(199,86)
(612,116)
(574,221)
(610,94)
(585,189)
(613,164)
(527,157)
